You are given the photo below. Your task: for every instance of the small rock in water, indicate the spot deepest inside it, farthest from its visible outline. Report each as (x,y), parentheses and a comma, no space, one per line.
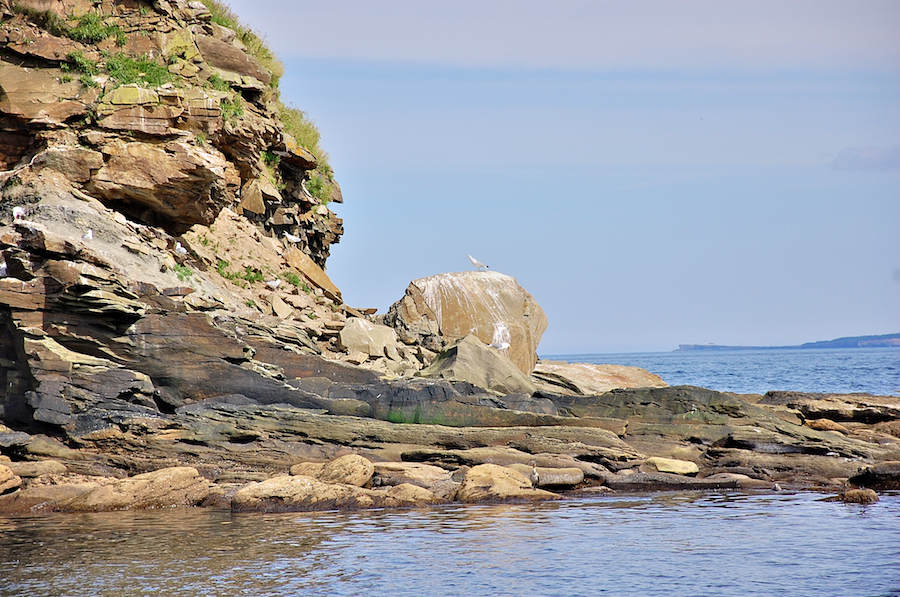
(859,496)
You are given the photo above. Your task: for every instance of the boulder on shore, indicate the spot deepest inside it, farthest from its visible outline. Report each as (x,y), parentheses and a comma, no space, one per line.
(586,379)
(493,483)
(176,486)
(489,305)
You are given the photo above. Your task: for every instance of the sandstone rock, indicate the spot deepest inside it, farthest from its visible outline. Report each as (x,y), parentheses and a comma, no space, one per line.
(41,498)
(313,272)
(492,483)
(470,360)
(552,477)
(589,380)
(350,469)
(375,340)
(488,305)
(826,425)
(229,58)
(404,495)
(37,469)
(299,493)
(884,476)
(656,464)
(178,486)
(864,408)
(859,496)
(435,479)
(9,481)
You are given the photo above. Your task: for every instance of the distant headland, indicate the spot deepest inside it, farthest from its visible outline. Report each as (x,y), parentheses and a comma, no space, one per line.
(851,342)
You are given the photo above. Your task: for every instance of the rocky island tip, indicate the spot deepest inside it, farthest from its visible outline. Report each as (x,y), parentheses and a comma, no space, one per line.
(170,336)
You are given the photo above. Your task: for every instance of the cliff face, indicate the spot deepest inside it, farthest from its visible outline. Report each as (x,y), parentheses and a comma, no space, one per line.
(160,113)
(163,229)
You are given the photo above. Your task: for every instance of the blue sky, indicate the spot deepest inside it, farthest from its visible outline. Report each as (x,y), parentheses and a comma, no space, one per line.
(654,173)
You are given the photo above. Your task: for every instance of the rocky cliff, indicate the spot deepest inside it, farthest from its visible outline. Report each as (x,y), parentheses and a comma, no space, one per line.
(164,229)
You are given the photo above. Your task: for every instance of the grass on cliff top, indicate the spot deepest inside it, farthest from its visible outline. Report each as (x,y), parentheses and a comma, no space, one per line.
(256,46)
(296,122)
(89,28)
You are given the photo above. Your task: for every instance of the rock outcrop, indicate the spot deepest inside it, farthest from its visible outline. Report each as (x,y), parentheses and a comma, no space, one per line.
(470,360)
(590,380)
(488,305)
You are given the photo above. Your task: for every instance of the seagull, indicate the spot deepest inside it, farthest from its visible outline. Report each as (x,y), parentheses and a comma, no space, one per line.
(18,213)
(89,235)
(292,238)
(776,487)
(477,264)
(273,284)
(179,249)
(499,345)
(535,477)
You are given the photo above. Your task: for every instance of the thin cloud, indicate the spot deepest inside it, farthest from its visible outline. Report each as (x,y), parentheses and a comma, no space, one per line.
(592,35)
(868,158)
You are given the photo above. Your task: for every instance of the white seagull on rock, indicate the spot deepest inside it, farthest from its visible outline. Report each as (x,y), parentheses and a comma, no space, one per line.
(477,263)
(273,284)
(180,249)
(292,238)
(18,213)
(89,235)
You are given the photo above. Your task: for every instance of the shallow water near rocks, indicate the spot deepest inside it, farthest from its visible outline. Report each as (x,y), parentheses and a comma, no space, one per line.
(690,543)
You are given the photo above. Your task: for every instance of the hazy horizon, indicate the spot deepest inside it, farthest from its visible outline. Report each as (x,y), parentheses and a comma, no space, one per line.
(654,173)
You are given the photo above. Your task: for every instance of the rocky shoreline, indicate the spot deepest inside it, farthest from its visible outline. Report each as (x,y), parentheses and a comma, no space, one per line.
(169,335)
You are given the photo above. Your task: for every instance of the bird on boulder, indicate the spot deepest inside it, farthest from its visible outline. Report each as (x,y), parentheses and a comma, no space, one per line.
(273,284)
(535,477)
(18,213)
(292,238)
(89,235)
(180,249)
(478,265)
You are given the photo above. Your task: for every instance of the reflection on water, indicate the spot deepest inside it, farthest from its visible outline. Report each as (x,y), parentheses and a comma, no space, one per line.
(666,544)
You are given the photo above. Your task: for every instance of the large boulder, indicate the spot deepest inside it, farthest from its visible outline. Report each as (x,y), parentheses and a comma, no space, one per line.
(176,486)
(8,479)
(489,305)
(493,483)
(351,469)
(372,339)
(590,380)
(470,360)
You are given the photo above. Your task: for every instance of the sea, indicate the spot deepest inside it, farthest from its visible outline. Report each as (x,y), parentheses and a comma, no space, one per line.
(691,544)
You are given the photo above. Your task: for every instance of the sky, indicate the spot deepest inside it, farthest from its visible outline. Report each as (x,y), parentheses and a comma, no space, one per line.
(654,173)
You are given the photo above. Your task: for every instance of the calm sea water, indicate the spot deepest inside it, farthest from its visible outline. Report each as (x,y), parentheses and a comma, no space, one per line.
(872,370)
(675,544)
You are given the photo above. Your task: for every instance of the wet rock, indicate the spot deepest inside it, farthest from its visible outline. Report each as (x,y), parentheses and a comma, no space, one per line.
(656,464)
(590,380)
(859,496)
(177,486)
(350,469)
(41,498)
(9,481)
(493,483)
(666,481)
(552,477)
(743,481)
(489,305)
(883,476)
(38,469)
(470,360)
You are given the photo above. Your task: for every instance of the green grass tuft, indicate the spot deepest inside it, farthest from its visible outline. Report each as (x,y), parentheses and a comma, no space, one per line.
(145,71)
(90,29)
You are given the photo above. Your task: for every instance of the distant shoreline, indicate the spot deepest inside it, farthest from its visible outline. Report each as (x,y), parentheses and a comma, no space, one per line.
(884,341)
